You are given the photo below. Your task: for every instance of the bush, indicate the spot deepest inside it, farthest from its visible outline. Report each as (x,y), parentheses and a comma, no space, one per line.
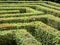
(24,38)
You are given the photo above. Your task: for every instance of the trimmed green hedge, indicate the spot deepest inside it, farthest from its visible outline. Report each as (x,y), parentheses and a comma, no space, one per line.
(42,28)
(47,19)
(8,11)
(50,6)
(42,32)
(46,34)
(19,37)
(16,9)
(6,37)
(25,38)
(49,10)
(53,3)
(21,14)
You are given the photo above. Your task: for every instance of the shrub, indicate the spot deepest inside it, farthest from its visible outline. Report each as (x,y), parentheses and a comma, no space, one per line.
(24,38)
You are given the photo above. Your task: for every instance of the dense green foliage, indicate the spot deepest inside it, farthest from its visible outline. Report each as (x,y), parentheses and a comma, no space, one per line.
(29,23)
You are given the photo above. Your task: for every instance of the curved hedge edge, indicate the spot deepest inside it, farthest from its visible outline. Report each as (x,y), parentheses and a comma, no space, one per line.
(24,38)
(46,34)
(42,32)
(47,19)
(6,37)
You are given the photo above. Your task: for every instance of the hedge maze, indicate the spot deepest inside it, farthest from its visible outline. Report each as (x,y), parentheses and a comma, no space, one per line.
(29,23)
